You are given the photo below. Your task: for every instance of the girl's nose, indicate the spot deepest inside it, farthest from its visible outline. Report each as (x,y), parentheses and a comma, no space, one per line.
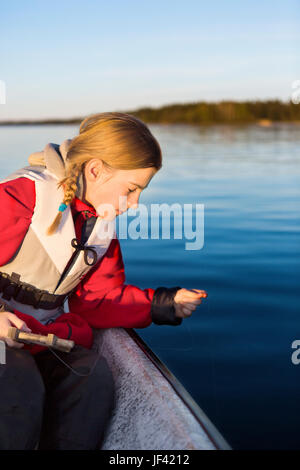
(133,205)
(133,202)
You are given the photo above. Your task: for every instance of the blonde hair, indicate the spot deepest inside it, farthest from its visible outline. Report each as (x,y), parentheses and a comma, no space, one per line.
(120,140)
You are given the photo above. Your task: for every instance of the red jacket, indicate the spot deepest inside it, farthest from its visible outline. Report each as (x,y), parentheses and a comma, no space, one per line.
(101,299)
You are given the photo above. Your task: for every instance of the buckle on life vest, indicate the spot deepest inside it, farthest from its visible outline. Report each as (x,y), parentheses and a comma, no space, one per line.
(9,285)
(12,287)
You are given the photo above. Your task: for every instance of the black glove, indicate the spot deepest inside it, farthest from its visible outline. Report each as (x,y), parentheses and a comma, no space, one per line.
(162,306)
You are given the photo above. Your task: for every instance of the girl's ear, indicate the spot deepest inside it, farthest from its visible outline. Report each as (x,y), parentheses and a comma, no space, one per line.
(93,169)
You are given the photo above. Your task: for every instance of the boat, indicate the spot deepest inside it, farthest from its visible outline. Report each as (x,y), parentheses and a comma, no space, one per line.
(153,411)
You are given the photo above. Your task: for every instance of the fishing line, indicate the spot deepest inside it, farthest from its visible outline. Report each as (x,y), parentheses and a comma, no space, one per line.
(213,368)
(71,368)
(188,329)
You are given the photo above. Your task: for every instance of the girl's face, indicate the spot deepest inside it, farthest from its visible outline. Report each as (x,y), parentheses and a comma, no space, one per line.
(106,186)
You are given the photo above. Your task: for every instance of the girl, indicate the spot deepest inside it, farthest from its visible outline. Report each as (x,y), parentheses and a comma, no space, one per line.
(54,247)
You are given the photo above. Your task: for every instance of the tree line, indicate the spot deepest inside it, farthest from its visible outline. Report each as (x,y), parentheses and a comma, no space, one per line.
(231,112)
(223,112)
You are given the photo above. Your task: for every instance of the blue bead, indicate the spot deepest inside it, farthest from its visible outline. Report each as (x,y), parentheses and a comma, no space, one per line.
(62,207)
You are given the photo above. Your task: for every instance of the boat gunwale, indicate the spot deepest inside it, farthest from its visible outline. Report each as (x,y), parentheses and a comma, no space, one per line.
(212,432)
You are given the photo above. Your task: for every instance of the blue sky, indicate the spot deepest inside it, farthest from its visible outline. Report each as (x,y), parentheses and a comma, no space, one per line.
(72,58)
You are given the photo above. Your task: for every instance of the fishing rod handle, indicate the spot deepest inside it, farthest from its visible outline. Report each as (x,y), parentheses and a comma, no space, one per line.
(50,341)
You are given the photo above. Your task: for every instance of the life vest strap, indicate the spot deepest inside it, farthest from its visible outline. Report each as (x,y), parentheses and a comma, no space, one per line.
(12,287)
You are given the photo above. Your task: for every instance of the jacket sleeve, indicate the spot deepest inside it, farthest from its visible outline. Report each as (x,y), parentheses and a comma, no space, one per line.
(17,201)
(162,307)
(105,301)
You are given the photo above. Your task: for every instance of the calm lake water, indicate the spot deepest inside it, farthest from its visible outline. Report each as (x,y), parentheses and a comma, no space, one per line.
(234,354)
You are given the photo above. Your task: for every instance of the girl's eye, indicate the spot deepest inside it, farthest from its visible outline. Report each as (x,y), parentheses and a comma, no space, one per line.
(131,190)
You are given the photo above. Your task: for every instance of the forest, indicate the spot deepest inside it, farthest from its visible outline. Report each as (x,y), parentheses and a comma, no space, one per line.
(223,112)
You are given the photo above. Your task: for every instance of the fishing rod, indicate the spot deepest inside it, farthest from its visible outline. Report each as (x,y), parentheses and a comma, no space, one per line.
(52,342)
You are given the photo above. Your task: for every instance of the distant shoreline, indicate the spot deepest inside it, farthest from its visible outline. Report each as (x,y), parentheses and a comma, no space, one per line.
(264,113)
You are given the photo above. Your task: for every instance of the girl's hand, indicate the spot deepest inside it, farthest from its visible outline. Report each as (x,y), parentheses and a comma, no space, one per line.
(8,319)
(186,301)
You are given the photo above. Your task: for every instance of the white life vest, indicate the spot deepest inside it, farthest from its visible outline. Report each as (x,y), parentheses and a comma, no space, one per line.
(41,259)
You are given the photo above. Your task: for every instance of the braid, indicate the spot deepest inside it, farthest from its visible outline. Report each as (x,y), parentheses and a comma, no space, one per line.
(70,188)
(71,183)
